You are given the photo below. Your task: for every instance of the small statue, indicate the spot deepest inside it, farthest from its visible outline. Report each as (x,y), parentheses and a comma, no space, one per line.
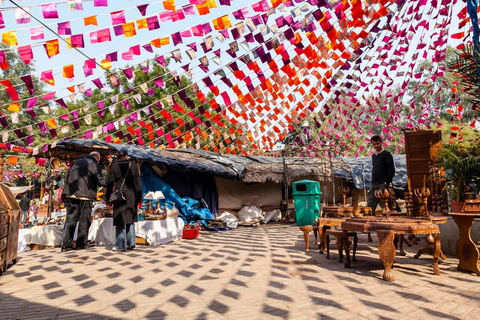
(149,210)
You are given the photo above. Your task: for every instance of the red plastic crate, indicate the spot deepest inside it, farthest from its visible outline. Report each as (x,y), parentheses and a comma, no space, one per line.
(191,233)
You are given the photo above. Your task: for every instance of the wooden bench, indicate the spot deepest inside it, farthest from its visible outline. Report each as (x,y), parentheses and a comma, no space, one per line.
(338,234)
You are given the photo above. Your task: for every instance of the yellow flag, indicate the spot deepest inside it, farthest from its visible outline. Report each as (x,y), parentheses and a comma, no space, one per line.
(14,107)
(10,38)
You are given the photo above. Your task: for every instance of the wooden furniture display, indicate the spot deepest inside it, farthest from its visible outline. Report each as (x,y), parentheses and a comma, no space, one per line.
(386,228)
(338,234)
(323,225)
(421,148)
(338,211)
(467,250)
(306,235)
(430,245)
(9,224)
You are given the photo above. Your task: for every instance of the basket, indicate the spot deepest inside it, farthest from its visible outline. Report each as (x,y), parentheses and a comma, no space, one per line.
(191,233)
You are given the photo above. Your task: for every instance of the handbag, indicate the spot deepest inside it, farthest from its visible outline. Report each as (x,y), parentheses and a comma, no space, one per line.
(117,195)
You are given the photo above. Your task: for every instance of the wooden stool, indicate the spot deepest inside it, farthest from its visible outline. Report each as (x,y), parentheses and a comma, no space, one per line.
(306,234)
(338,234)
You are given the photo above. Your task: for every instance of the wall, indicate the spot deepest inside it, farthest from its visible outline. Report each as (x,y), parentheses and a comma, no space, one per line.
(235,194)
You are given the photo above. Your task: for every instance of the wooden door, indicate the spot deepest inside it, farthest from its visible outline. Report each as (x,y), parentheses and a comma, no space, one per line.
(421,148)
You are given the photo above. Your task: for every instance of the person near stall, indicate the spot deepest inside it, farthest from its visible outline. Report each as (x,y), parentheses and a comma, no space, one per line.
(79,192)
(383,171)
(33,212)
(124,175)
(24,204)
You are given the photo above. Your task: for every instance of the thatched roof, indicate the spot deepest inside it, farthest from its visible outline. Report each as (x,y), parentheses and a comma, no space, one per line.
(295,167)
(249,169)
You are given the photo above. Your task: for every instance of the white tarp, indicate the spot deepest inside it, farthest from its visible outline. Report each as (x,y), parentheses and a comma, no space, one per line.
(18,190)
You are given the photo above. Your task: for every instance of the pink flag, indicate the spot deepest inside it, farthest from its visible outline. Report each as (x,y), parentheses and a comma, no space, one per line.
(36,33)
(48,96)
(64,28)
(100,3)
(118,17)
(26,53)
(49,11)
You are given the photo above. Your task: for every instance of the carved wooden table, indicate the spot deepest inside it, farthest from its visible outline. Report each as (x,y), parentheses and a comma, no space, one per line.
(323,225)
(340,211)
(429,248)
(386,228)
(466,249)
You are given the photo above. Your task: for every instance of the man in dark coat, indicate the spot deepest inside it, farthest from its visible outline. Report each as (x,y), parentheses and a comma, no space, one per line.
(383,171)
(80,190)
(124,212)
(24,204)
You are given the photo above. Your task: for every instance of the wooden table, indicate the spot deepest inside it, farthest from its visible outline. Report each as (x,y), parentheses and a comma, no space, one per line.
(341,211)
(429,248)
(386,228)
(466,249)
(323,224)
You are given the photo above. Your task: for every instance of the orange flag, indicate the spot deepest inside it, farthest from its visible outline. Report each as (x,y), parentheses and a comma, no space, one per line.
(90,21)
(68,71)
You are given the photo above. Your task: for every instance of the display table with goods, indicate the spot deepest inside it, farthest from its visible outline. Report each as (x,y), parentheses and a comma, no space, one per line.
(22,240)
(45,237)
(154,232)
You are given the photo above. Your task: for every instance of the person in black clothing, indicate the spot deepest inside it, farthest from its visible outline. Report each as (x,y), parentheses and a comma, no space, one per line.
(124,175)
(383,171)
(80,190)
(24,204)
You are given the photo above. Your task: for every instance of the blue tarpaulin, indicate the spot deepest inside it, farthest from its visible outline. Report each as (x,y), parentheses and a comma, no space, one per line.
(188,208)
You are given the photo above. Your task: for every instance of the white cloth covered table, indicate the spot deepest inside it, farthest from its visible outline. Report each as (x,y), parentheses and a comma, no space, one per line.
(49,235)
(22,240)
(155,232)
(102,232)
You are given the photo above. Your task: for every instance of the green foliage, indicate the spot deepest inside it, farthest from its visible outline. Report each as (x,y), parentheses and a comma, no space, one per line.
(462,164)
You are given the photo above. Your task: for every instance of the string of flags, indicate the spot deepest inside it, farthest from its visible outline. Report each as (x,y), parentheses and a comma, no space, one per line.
(341,60)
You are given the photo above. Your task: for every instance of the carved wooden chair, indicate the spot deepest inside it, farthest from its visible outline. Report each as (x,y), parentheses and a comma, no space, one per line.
(338,234)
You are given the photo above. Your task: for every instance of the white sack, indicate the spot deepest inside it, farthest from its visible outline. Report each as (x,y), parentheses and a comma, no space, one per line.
(273,216)
(230,219)
(250,213)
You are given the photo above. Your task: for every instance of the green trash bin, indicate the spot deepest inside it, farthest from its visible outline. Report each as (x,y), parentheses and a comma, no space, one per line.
(306,197)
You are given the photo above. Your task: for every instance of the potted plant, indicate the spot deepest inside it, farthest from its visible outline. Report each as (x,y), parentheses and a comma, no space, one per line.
(462,164)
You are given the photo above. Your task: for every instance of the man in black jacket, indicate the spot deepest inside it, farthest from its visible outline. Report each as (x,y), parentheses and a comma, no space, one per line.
(80,190)
(24,206)
(383,171)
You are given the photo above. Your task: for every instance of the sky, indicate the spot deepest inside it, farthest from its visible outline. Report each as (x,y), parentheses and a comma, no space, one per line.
(122,44)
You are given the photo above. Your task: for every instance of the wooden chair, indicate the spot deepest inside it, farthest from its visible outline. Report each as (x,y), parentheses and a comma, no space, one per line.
(338,234)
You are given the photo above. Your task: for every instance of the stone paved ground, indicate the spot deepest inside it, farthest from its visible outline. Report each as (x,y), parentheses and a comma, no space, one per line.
(247,273)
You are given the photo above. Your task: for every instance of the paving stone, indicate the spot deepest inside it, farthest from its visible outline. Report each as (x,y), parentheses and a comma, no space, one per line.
(246,273)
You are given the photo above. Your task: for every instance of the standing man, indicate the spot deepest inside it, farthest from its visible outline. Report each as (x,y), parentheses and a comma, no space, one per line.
(383,171)
(80,190)
(24,204)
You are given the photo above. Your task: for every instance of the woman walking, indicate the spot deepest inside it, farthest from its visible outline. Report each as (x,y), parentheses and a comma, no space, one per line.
(124,175)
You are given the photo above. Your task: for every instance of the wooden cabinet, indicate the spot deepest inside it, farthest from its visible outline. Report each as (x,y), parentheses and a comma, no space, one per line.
(9,225)
(421,148)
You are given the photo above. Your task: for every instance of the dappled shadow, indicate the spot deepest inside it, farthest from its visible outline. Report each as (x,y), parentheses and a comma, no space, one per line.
(247,273)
